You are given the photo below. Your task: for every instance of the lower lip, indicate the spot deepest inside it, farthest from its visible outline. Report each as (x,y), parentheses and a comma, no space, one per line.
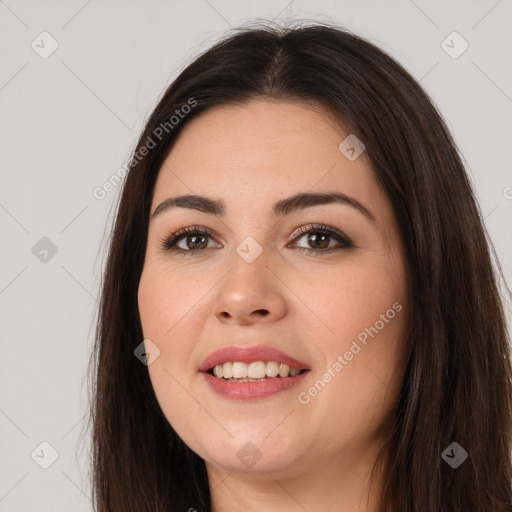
(252,390)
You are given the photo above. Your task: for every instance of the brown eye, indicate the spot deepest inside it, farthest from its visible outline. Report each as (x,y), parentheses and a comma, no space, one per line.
(196,241)
(317,241)
(322,239)
(188,240)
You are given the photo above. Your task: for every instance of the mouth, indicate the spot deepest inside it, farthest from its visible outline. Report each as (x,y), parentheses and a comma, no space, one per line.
(252,372)
(256,371)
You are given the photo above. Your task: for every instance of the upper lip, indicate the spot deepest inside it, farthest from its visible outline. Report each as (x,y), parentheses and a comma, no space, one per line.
(249,354)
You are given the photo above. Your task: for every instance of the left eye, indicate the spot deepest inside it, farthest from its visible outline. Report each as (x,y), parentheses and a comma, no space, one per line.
(319,238)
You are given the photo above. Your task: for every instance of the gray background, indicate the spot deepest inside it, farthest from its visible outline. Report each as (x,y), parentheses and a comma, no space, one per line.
(70,120)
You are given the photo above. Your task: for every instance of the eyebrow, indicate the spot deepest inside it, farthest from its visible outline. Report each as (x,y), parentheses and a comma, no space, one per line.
(280,208)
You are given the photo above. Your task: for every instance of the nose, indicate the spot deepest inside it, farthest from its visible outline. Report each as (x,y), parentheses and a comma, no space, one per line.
(249,293)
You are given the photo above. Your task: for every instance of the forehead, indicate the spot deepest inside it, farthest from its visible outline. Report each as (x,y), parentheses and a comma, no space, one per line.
(260,151)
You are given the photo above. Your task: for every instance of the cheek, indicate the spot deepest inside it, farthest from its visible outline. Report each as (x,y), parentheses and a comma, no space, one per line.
(169,311)
(161,306)
(354,300)
(165,298)
(365,311)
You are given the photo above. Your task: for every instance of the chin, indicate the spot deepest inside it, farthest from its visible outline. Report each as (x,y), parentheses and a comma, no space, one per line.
(245,456)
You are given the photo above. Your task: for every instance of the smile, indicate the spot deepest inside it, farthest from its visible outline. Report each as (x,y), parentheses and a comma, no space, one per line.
(252,372)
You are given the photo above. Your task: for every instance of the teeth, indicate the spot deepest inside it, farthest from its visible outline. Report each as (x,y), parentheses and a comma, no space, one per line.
(253,371)
(239,370)
(272,369)
(257,370)
(284,370)
(227,370)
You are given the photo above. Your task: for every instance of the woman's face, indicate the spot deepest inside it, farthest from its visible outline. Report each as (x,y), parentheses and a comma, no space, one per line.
(334,302)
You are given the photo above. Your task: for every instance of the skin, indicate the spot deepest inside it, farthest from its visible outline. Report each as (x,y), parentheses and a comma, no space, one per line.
(314,456)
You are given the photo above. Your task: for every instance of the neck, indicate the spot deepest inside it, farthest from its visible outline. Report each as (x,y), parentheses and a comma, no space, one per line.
(340,482)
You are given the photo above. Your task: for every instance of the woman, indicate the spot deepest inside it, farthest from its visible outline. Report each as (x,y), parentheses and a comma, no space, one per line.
(299,309)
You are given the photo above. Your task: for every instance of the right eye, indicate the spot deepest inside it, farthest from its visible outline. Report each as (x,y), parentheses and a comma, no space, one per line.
(195,238)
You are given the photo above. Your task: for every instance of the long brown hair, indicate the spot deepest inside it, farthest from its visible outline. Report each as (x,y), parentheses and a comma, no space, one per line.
(458,380)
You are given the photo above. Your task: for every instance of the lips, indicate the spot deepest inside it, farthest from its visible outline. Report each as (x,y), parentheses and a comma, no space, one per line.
(249,355)
(258,389)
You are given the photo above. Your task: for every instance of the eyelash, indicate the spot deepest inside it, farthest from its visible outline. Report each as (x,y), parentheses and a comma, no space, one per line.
(168,244)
